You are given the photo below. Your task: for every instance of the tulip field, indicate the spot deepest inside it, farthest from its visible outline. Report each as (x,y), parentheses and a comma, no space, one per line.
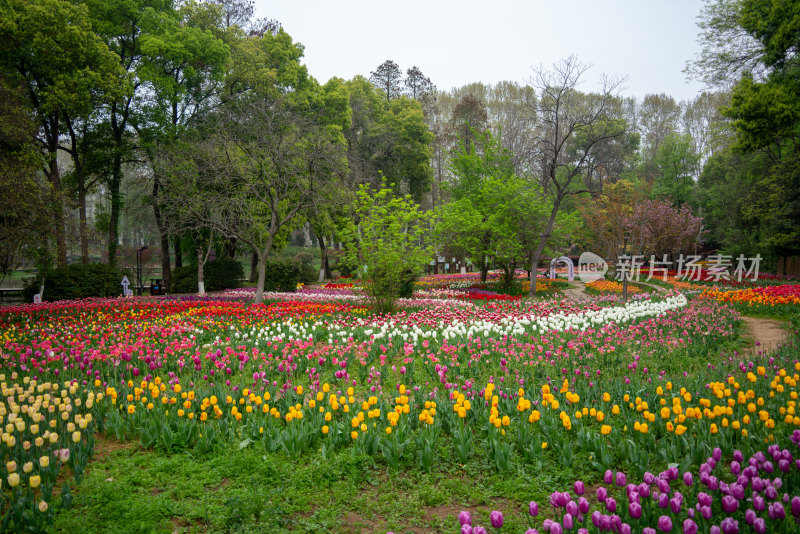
(467,410)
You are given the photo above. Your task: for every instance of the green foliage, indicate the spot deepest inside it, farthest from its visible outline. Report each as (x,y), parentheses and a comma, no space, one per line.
(77,282)
(183,280)
(388,138)
(495,215)
(217,275)
(282,274)
(677,162)
(388,241)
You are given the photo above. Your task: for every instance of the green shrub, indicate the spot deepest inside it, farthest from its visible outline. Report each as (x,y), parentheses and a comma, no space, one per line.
(183,280)
(308,275)
(222,274)
(218,275)
(77,282)
(282,274)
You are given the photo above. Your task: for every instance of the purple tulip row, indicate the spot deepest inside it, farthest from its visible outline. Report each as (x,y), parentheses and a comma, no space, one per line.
(751,501)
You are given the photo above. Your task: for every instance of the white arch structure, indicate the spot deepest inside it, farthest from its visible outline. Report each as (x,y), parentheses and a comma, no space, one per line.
(570,267)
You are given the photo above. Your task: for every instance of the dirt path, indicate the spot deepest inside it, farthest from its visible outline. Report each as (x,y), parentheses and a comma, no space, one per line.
(765,334)
(576,291)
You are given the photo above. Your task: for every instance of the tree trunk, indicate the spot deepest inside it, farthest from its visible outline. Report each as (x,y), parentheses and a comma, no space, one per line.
(116,205)
(82,219)
(229,248)
(262,269)
(307,235)
(162,230)
(325,268)
(484,269)
(253,267)
(54,177)
(542,243)
(178,252)
(201,261)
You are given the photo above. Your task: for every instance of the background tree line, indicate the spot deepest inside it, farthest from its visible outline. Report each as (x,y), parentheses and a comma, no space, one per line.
(192,126)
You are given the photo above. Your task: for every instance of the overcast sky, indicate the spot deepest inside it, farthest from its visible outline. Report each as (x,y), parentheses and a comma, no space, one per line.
(455,42)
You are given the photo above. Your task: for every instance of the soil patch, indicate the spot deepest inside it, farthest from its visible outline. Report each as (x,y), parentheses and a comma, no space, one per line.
(765,334)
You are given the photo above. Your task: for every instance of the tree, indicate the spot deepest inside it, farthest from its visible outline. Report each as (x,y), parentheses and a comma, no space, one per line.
(659,116)
(571,130)
(623,216)
(183,66)
(387,141)
(417,84)
(727,50)
(469,116)
(677,164)
(261,166)
(385,236)
(495,215)
(764,108)
(386,78)
(50,47)
(23,205)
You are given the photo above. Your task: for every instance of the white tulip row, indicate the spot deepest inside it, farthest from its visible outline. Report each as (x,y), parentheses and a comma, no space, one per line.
(396,331)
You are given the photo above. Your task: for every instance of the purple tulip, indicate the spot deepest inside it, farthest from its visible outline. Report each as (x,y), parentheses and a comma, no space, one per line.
(663,501)
(583,506)
(496,519)
(625,529)
(796,505)
(466,529)
(579,488)
(464,518)
(717,454)
(583,531)
(665,524)
(533,508)
(771,493)
(689,527)
(611,505)
(479,530)
(737,491)
(714,530)
(546,524)
(777,483)
(663,485)
(602,494)
(768,467)
(621,479)
(705,512)
(596,518)
(738,456)
(635,510)
(729,526)
(648,530)
(608,478)
(750,516)
(648,478)
(572,508)
(567,521)
(758,503)
(760,526)
(555,528)
(675,505)
(729,504)
(531,531)
(643,490)
(736,468)
(672,473)
(687,478)
(776,511)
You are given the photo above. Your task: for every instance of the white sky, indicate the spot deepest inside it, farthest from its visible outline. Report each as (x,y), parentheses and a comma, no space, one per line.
(455,42)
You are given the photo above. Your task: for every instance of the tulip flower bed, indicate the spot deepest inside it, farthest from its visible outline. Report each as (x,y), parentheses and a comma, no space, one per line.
(498,388)
(766,300)
(610,286)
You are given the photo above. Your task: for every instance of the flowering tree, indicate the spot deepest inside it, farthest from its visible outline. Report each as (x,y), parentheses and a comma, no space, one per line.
(624,214)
